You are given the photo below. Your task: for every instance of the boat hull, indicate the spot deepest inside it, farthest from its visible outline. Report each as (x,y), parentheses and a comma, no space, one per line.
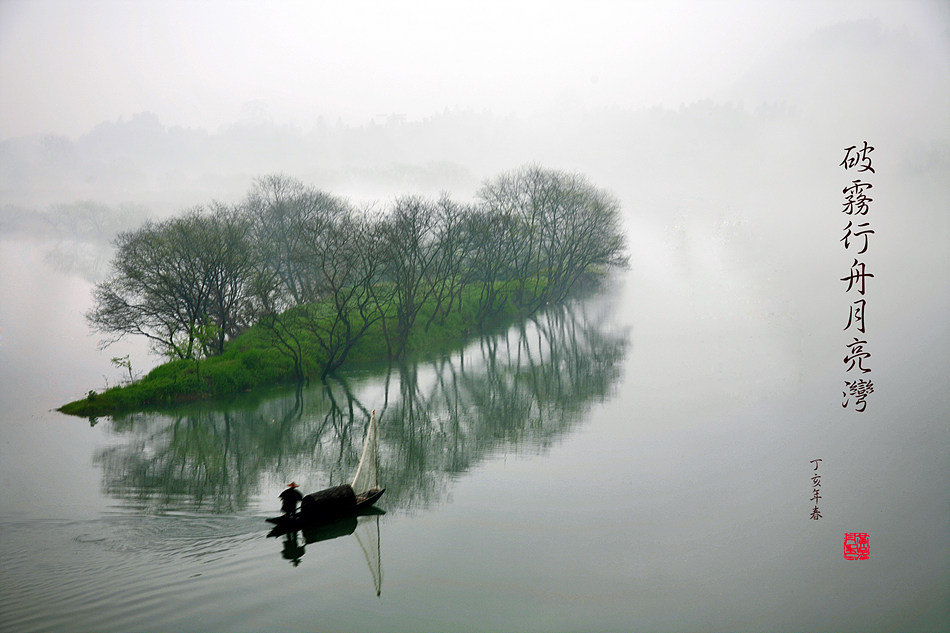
(326,506)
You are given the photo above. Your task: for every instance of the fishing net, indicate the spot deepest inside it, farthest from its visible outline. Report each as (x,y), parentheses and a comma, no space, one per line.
(367,477)
(367,535)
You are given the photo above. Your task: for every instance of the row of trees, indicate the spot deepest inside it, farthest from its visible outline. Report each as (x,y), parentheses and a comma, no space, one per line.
(299,260)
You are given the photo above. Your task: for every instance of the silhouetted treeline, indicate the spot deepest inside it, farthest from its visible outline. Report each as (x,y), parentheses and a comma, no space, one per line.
(314,270)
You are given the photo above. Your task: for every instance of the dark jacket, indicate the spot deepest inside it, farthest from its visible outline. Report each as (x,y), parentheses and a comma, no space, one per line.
(289,500)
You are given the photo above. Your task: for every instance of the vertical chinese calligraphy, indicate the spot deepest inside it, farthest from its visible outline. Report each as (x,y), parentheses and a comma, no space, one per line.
(815,492)
(857,204)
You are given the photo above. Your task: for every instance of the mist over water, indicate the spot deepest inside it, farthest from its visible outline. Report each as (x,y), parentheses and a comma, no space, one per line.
(635,460)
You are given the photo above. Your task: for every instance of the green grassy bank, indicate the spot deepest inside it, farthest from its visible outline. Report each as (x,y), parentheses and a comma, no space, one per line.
(257,359)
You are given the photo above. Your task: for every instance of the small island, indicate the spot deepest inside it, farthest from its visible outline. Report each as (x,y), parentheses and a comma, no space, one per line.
(293,283)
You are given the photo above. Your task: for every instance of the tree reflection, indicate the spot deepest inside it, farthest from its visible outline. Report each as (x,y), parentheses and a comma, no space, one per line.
(518,390)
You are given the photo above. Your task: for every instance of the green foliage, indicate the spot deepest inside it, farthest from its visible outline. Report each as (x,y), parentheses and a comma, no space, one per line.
(169,369)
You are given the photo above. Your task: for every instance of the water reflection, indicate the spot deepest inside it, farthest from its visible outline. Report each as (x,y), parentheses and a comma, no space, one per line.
(293,550)
(519,390)
(364,527)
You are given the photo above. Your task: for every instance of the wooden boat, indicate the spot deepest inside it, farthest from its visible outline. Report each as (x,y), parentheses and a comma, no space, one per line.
(324,507)
(331,504)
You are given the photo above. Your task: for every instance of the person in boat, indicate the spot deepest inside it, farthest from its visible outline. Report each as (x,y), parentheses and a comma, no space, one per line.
(289,499)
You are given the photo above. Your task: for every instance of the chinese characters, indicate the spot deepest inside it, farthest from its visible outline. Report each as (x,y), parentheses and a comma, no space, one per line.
(815,493)
(858,159)
(856,239)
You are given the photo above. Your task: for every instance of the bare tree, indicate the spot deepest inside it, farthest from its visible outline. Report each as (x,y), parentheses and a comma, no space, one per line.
(563,228)
(287,214)
(229,261)
(157,287)
(176,281)
(409,255)
(449,272)
(494,247)
(344,264)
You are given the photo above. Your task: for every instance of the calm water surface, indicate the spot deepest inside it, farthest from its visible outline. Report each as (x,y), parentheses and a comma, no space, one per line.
(635,461)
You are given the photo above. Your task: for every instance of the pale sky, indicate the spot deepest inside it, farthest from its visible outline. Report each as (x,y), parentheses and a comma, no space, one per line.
(66,66)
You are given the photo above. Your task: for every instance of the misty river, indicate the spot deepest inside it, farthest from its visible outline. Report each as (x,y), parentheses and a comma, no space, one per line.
(695,447)
(638,456)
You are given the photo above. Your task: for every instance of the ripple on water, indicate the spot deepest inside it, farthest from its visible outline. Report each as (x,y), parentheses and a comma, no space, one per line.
(120,572)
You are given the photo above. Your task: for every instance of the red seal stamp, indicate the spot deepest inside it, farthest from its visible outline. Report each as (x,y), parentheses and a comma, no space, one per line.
(857,546)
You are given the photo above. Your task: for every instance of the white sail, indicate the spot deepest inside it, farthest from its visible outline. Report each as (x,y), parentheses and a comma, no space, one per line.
(367,477)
